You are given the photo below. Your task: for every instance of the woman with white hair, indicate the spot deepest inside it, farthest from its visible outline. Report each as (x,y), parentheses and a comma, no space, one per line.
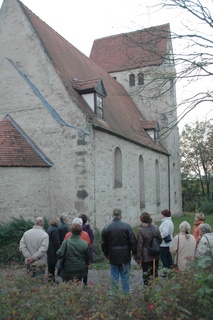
(205,245)
(183,246)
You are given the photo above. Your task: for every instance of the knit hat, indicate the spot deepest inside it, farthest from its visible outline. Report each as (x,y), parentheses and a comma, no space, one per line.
(117,212)
(77,221)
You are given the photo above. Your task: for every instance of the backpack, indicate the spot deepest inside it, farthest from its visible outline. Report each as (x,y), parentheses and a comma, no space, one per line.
(154,248)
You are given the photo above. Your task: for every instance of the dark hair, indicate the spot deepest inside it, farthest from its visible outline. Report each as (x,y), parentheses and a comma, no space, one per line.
(166,213)
(76,229)
(145,217)
(83,217)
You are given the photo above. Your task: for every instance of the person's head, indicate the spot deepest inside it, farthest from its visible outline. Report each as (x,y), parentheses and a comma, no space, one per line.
(199,216)
(78,221)
(166,213)
(204,228)
(83,217)
(76,227)
(39,221)
(185,227)
(64,217)
(54,221)
(145,217)
(117,213)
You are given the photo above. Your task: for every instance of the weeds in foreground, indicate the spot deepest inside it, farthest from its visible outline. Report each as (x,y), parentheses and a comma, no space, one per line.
(181,296)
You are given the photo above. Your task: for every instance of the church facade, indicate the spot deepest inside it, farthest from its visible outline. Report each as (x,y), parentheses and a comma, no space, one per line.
(86,135)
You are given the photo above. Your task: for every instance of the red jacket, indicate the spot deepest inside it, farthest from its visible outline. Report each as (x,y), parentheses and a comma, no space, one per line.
(84,236)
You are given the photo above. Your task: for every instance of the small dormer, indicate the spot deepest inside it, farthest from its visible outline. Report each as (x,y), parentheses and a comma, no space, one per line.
(93,92)
(152,128)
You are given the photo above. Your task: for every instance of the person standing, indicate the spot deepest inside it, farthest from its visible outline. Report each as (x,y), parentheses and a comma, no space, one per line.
(84,236)
(118,241)
(63,228)
(166,230)
(183,246)
(205,245)
(87,228)
(54,245)
(75,255)
(146,260)
(33,245)
(199,219)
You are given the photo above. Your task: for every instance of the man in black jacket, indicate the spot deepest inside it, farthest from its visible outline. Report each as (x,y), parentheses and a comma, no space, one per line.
(118,241)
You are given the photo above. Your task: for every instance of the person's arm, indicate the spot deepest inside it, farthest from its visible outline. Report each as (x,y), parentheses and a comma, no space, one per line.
(61,251)
(132,241)
(173,246)
(138,255)
(43,248)
(104,247)
(23,248)
(202,248)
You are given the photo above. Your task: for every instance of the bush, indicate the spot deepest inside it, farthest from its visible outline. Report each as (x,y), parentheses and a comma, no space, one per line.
(206,206)
(10,235)
(97,252)
(181,296)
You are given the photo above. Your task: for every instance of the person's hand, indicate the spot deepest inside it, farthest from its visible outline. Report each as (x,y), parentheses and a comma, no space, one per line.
(29,260)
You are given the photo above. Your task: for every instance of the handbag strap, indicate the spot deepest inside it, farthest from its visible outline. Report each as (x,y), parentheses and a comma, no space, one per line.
(177,250)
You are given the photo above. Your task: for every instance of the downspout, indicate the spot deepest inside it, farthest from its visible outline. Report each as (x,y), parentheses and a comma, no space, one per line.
(169,183)
(94,177)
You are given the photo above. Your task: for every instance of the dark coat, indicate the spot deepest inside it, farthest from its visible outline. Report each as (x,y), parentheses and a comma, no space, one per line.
(54,244)
(62,231)
(76,257)
(144,238)
(118,240)
(86,227)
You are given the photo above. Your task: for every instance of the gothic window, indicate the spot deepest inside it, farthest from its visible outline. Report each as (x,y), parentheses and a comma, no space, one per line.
(141,183)
(117,168)
(157,181)
(132,80)
(140,79)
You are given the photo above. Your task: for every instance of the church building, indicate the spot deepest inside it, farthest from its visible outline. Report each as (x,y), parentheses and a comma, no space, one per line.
(85,134)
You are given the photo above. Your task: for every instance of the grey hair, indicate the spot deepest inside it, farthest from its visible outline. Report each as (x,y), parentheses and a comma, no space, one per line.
(185,227)
(205,228)
(63,216)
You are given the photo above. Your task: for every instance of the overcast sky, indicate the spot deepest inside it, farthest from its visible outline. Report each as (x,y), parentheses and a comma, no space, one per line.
(83,21)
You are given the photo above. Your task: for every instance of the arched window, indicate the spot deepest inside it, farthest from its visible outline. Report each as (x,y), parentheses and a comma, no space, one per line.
(141,182)
(132,80)
(140,79)
(157,179)
(117,168)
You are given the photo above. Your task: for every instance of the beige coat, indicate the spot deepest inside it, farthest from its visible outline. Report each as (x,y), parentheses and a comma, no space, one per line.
(34,243)
(186,250)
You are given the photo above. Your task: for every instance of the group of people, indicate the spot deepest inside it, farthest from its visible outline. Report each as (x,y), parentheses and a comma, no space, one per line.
(119,244)
(69,253)
(66,254)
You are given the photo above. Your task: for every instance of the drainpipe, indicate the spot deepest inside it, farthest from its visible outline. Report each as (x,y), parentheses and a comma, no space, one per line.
(169,183)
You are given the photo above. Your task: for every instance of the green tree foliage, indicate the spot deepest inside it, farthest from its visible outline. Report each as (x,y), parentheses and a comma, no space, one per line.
(196,151)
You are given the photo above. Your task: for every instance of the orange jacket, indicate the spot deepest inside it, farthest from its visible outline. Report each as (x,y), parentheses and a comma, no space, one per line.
(84,236)
(196,230)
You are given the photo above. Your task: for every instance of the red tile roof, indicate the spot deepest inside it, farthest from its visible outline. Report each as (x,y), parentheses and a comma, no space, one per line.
(17,149)
(132,50)
(121,115)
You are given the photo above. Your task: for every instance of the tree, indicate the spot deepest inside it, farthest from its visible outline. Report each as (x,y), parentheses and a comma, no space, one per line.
(196,151)
(194,61)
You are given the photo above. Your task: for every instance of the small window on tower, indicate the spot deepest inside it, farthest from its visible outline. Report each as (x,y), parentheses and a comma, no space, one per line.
(132,80)
(140,79)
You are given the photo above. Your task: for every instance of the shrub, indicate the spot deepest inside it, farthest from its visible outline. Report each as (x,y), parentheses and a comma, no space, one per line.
(97,252)
(183,295)
(206,206)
